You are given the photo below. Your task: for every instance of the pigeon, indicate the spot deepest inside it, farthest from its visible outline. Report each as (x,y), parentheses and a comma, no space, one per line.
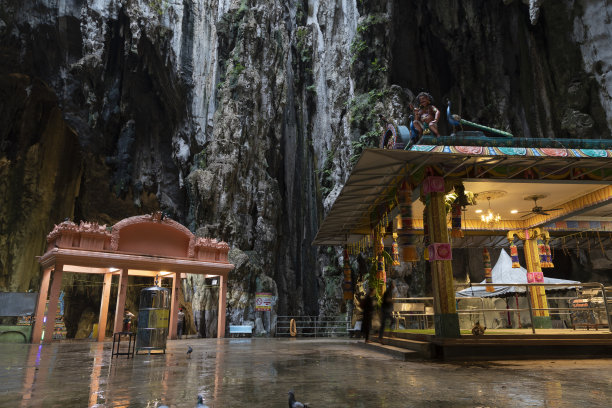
(200,403)
(478,329)
(293,403)
(189,351)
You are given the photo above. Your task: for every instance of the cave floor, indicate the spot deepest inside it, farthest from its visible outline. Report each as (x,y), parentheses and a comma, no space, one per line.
(259,372)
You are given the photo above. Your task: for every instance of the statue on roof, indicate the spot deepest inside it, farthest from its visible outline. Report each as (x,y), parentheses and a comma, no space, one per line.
(426,115)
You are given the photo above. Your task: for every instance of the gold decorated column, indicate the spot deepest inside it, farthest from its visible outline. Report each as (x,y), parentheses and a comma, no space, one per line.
(440,255)
(537,294)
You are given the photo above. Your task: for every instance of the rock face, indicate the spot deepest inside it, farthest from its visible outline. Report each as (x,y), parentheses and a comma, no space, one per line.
(242,118)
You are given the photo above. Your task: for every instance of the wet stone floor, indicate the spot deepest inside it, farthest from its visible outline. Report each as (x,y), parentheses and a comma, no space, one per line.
(260,372)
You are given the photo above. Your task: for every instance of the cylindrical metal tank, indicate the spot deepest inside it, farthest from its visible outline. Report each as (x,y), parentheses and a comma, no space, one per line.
(153,318)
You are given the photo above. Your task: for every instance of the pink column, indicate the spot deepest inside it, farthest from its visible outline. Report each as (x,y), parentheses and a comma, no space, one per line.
(174,305)
(39,316)
(120,309)
(56,288)
(108,279)
(222,306)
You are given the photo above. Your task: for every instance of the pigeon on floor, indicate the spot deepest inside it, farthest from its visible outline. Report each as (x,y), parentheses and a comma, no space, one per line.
(189,351)
(201,402)
(293,403)
(478,329)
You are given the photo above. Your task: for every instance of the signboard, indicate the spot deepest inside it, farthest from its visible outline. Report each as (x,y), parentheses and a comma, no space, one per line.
(17,303)
(159,318)
(263,302)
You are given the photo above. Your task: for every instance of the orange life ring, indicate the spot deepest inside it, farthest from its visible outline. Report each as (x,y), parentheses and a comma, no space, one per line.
(292,328)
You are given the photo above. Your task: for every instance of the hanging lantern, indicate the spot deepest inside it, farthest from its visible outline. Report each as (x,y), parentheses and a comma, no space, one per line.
(406,235)
(514,256)
(456,220)
(486,258)
(395,250)
(347,285)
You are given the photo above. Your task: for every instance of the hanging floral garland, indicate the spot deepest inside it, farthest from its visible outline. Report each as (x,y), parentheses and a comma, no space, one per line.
(347,285)
(514,256)
(406,233)
(486,258)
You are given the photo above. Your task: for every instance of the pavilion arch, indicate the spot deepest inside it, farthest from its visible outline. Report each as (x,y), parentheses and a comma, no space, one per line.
(147,245)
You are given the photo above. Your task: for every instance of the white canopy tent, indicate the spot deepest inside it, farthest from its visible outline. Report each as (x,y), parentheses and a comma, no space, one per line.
(503,272)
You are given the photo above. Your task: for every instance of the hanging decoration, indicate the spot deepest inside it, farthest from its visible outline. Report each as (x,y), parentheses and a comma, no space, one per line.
(456,220)
(549,262)
(514,256)
(380,261)
(486,258)
(347,285)
(406,234)
(426,239)
(395,251)
(542,252)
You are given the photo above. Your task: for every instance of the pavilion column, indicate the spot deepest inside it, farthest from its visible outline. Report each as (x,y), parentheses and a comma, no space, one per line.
(121,294)
(56,288)
(39,316)
(174,305)
(108,280)
(222,306)
(446,318)
(537,294)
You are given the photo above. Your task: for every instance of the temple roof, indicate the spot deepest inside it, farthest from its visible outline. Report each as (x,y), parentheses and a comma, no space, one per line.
(580,178)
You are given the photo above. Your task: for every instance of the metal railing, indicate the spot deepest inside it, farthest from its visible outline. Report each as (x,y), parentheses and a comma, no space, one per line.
(602,292)
(312,326)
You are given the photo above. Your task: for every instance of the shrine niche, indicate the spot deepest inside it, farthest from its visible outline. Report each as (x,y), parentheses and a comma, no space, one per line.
(151,245)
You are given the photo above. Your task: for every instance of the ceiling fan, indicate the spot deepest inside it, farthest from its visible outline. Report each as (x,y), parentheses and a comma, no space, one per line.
(538,210)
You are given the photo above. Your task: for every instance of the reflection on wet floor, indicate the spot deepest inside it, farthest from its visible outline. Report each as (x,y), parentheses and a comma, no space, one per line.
(260,372)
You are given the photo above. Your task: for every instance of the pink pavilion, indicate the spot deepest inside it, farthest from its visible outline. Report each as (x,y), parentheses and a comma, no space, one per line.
(147,245)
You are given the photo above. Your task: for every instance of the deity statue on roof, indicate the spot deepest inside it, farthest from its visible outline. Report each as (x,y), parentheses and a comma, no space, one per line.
(426,115)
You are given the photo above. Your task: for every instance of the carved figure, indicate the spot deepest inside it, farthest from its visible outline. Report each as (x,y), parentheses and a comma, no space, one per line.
(426,115)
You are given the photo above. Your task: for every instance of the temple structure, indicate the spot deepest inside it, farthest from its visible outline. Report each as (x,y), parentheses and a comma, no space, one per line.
(148,245)
(406,191)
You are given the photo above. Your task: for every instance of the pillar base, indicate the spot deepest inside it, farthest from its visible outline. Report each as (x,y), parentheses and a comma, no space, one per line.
(542,322)
(447,325)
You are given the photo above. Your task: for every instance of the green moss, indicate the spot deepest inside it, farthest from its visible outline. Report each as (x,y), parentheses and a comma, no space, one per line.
(303,49)
(158,6)
(199,160)
(377,66)
(357,48)
(364,116)
(326,181)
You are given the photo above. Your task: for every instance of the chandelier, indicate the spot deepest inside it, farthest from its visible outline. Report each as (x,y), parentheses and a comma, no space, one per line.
(489,217)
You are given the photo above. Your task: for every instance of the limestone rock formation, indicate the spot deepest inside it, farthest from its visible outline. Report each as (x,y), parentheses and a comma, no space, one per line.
(242,118)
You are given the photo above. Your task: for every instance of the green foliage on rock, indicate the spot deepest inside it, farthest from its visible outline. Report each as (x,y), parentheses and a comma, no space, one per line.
(364,117)
(158,6)
(327,183)
(302,45)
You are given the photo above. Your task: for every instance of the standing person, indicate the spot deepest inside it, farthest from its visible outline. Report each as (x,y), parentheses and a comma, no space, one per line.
(367,307)
(127,320)
(181,323)
(386,310)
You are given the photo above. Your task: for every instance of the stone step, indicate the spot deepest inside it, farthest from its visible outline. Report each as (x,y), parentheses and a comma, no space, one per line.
(395,352)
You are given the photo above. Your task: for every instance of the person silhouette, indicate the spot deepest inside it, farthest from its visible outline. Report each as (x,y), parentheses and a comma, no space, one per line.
(367,308)
(386,309)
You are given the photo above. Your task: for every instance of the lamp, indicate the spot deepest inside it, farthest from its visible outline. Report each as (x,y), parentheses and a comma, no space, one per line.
(489,217)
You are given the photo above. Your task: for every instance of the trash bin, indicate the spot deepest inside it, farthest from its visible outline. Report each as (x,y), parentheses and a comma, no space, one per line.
(153,318)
